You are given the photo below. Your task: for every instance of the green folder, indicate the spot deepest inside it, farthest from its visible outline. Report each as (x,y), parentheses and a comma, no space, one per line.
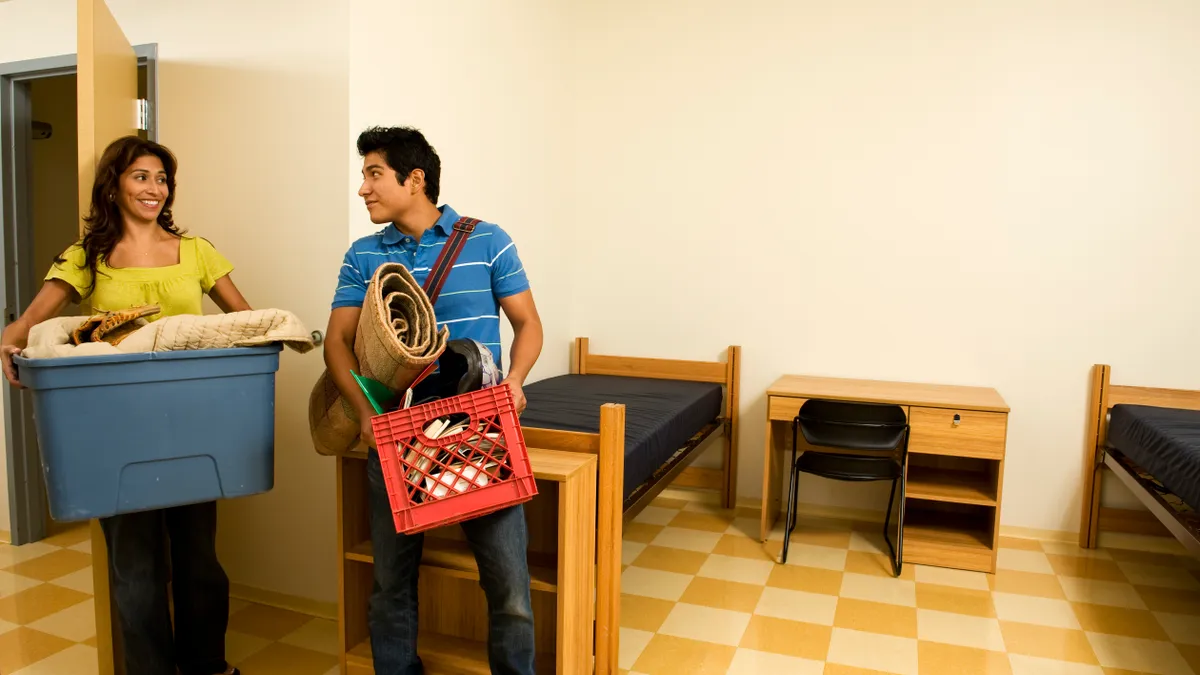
(377,392)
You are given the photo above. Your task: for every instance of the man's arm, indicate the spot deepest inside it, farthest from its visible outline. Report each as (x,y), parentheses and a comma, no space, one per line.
(527,341)
(340,360)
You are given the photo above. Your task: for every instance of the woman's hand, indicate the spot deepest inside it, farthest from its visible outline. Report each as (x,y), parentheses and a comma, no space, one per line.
(7,352)
(368,432)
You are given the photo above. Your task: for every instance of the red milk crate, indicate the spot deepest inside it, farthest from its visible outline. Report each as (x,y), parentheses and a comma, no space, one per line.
(458,476)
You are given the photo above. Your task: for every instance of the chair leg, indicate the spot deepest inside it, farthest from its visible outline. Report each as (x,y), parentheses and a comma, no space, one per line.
(887,520)
(900,522)
(789,522)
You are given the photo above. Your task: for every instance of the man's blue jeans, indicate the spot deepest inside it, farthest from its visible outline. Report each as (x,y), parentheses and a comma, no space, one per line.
(499,541)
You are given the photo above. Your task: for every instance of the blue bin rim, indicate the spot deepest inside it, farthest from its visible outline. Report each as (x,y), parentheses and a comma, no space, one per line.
(178,355)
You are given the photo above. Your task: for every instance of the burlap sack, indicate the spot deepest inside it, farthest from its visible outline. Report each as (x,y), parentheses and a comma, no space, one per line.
(396,339)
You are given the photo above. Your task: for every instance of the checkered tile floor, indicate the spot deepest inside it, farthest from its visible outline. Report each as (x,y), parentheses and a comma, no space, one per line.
(701,595)
(48,623)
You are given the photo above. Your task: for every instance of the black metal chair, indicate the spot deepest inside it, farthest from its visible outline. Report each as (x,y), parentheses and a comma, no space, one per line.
(863,427)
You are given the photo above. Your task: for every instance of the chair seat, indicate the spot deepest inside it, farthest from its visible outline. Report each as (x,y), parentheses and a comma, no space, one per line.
(848,467)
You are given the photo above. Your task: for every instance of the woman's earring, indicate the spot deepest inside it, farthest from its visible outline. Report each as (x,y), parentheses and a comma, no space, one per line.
(112,198)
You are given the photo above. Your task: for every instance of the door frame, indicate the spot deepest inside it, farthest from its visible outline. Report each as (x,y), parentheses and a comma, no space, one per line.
(27,504)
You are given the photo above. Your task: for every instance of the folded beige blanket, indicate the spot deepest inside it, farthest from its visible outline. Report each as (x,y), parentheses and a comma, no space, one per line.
(51,339)
(396,339)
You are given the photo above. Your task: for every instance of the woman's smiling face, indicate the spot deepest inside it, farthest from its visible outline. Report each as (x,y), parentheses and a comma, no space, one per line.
(143,189)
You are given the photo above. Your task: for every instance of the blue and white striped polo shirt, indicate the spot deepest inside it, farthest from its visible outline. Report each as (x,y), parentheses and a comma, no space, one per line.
(488,268)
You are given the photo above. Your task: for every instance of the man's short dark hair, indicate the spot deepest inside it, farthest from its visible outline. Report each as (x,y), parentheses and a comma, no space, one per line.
(404,149)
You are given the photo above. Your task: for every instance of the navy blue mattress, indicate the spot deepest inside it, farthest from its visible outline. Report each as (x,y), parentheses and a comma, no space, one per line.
(660,415)
(1163,441)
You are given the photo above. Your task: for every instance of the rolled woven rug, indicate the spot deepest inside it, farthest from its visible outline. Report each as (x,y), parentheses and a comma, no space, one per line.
(397,338)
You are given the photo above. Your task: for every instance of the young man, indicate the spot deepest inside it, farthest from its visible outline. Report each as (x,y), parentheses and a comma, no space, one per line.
(401,179)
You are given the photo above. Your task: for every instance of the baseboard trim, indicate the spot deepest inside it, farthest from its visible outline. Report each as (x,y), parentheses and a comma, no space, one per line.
(261,596)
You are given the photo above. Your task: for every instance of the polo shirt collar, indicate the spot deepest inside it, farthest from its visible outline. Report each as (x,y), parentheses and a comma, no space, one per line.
(445,222)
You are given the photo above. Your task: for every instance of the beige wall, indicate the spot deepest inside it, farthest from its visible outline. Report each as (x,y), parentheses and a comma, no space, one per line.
(255,108)
(995,194)
(489,89)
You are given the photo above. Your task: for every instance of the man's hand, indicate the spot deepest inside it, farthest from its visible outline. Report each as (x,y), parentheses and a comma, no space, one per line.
(518,394)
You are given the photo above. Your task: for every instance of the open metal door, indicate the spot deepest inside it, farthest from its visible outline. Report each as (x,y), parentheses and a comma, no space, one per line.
(108,109)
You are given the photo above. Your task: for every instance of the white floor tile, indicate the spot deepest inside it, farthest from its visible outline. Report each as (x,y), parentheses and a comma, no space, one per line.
(1181,628)
(11,584)
(1144,656)
(13,555)
(1059,548)
(781,603)
(75,623)
(821,557)
(6,626)
(942,576)
(654,583)
(1161,577)
(959,629)
(1109,593)
(872,651)
(750,662)
(633,643)
(81,580)
(1034,610)
(76,660)
(741,570)
(319,635)
(868,542)
(688,540)
(630,550)
(653,515)
(239,646)
(1023,561)
(1033,665)
(706,624)
(887,590)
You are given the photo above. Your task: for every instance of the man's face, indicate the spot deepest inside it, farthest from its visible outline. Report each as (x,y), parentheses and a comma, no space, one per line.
(386,199)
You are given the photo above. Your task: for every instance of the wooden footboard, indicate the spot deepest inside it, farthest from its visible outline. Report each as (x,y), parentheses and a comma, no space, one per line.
(1096,459)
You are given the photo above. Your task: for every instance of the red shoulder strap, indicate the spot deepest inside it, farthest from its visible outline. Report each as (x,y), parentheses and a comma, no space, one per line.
(445,260)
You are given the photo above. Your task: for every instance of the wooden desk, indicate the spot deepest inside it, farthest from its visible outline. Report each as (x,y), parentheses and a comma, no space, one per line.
(453,610)
(955,472)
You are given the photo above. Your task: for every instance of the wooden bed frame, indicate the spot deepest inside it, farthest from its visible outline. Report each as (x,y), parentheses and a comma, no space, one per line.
(609,446)
(1105,395)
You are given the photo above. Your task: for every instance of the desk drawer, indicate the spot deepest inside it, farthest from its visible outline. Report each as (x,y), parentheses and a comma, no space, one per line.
(783,408)
(977,434)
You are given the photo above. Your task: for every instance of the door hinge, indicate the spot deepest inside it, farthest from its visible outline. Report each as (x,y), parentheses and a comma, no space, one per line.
(142,114)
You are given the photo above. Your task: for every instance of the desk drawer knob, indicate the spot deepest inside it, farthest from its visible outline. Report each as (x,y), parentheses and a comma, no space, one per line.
(957,419)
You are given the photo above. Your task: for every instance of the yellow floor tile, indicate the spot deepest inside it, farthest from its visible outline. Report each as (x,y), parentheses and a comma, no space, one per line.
(781,603)
(1162,577)
(632,643)
(1059,644)
(959,629)
(877,565)
(873,651)
(38,602)
(1191,654)
(1145,656)
(688,540)
(721,594)
(942,659)
(1149,558)
(319,635)
(707,522)
(77,659)
(1035,611)
(957,600)
(1086,568)
(1161,600)
(11,584)
(24,646)
(752,662)
(267,622)
(705,624)
(666,655)
(239,646)
(82,581)
(643,613)
(737,546)
(1111,593)
(640,532)
(70,536)
(281,659)
(879,589)
(741,570)
(790,638)
(1033,665)
(942,576)
(874,617)
(13,555)
(1119,621)
(653,515)
(813,536)
(1181,628)
(807,555)
(654,583)
(1020,560)
(52,565)
(76,623)
(1027,583)
(670,560)
(809,579)
(1020,544)
(668,503)
(1072,549)
(838,669)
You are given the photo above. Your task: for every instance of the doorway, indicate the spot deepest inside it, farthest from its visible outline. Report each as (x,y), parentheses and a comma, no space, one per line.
(39,175)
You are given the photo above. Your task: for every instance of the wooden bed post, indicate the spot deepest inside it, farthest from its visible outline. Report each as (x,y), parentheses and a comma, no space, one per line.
(579,358)
(610,499)
(1093,444)
(732,378)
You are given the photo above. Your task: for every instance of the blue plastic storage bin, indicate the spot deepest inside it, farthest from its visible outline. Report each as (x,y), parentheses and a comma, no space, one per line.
(133,432)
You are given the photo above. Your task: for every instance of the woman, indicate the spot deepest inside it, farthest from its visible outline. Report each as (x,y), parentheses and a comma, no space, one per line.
(133,254)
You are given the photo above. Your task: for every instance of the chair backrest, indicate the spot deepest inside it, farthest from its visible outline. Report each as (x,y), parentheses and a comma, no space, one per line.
(852,425)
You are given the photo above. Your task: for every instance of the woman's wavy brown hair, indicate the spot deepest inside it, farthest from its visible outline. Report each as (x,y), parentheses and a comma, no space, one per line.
(105,224)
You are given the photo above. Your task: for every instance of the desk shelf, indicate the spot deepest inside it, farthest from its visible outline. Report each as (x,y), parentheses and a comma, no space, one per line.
(454,558)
